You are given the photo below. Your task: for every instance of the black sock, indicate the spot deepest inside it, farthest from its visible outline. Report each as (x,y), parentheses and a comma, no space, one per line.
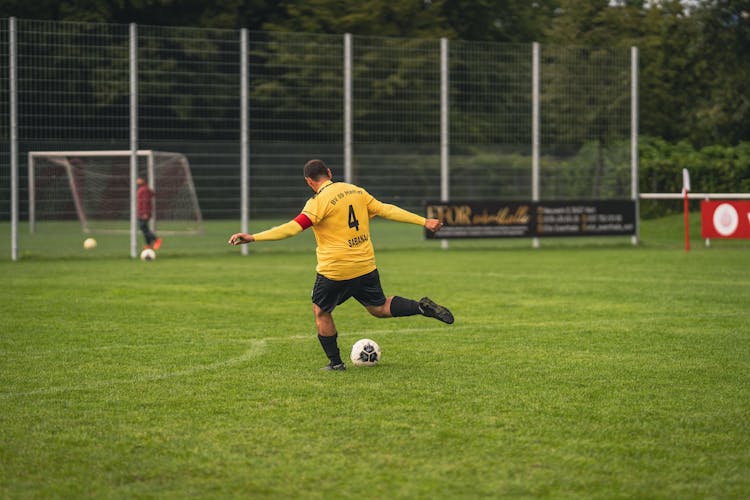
(331,348)
(404,307)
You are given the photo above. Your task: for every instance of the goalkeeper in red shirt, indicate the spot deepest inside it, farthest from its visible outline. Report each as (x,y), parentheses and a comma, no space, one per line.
(339,214)
(145,206)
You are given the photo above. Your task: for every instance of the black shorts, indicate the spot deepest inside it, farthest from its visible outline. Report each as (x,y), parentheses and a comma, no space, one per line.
(327,293)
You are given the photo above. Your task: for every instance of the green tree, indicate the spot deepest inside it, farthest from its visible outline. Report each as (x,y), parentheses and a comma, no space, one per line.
(722,115)
(229,14)
(694,61)
(670,80)
(518,21)
(412,18)
(585,91)
(396,61)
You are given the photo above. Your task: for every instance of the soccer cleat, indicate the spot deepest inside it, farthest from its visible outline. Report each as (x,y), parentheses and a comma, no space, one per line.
(330,367)
(157,244)
(146,247)
(432,310)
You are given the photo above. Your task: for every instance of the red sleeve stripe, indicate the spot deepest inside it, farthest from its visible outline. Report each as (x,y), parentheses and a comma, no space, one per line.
(303,220)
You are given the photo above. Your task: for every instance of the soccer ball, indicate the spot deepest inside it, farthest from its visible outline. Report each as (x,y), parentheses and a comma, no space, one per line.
(89,243)
(365,352)
(148,254)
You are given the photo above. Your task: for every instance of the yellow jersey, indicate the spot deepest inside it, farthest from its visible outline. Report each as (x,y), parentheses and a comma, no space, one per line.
(340,214)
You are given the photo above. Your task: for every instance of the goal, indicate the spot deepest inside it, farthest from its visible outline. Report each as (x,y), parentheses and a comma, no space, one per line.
(93,187)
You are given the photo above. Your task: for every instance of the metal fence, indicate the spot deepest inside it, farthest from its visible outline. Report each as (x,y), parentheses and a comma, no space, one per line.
(410,119)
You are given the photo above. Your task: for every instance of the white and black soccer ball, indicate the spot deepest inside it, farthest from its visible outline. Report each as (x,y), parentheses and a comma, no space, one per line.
(89,243)
(365,352)
(148,254)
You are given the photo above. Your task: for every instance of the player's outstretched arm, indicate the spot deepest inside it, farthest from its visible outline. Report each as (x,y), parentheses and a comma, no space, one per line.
(241,238)
(398,214)
(287,230)
(394,213)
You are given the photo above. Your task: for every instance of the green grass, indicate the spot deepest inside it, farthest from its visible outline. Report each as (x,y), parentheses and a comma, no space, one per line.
(586,368)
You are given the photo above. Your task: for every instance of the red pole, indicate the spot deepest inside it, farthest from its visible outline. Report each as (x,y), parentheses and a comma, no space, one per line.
(687,221)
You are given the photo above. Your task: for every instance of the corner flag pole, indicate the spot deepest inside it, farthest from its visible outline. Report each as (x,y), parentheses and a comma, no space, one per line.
(685,191)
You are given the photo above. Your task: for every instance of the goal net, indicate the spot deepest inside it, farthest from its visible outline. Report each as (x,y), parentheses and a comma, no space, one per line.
(93,187)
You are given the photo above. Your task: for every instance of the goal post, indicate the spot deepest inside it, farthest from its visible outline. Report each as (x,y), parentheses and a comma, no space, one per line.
(93,187)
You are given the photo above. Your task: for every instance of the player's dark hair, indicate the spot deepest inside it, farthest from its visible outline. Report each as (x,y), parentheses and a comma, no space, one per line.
(316,170)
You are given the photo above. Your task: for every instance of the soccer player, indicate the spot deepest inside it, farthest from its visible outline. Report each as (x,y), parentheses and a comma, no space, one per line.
(145,205)
(339,214)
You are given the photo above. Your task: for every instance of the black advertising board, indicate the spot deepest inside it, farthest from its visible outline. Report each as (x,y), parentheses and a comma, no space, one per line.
(585,218)
(494,219)
(481,219)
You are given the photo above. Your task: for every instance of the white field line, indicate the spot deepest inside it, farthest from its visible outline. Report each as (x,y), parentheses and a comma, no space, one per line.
(257,348)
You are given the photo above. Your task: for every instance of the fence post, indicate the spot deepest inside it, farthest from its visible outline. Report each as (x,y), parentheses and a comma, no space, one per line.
(348,176)
(444,128)
(634,140)
(535,129)
(13,138)
(244,146)
(133,136)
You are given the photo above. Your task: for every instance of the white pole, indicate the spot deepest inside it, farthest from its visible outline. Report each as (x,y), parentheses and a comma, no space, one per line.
(152,184)
(535,129)
(634,140)
(13,139)
(133,137)
(32,194)
(444,128)
(244,146)
(348,175)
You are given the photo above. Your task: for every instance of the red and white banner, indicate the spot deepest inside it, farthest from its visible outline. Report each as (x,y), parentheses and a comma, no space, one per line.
(725,219)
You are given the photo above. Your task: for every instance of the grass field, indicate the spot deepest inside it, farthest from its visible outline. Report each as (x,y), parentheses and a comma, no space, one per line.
(581,369)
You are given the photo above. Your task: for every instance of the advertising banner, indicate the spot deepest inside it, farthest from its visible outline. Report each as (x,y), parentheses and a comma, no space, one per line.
(725,219)
(481,219)
(496,219)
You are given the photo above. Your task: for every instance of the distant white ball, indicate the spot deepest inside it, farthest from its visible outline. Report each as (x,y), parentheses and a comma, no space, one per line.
(89,243)
(365,352)
(148,254)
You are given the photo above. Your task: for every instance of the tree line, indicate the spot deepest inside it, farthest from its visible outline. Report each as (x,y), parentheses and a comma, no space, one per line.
(694,55)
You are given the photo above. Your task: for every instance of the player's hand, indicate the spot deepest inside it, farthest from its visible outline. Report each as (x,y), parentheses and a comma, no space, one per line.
(240,238)
(433,224)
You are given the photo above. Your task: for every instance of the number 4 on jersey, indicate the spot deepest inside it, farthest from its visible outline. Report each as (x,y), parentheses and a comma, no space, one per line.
(353,222)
